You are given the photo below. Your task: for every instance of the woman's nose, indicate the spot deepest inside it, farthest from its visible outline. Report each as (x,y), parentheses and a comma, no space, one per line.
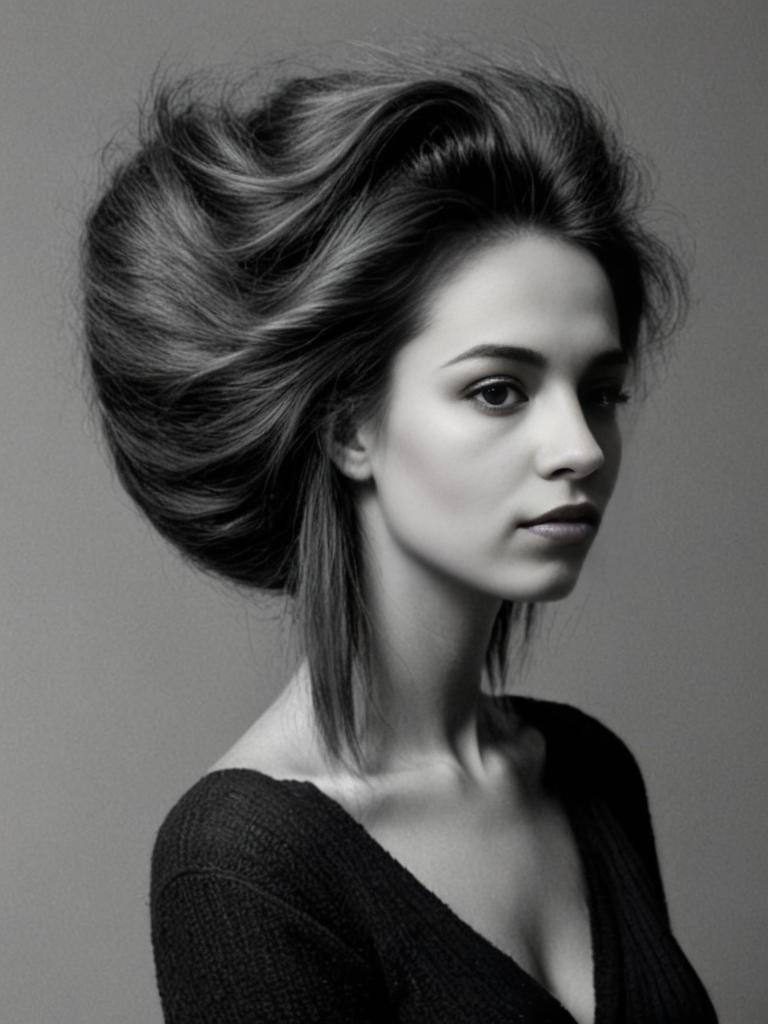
(568,447)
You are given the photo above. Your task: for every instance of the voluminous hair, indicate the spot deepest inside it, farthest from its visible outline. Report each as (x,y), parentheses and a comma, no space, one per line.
(250,271)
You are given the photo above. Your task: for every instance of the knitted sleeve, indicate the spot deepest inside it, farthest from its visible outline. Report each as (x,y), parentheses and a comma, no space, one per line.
(251,917)
(227,952)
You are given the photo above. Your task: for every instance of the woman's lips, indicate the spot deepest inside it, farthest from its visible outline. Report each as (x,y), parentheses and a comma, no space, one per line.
(566,524)
(565,531)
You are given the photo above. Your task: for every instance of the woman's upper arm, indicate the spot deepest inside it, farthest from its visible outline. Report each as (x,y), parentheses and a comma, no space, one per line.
(227,952)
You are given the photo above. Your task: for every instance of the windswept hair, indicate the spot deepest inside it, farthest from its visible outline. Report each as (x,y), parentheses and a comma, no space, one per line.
(251,270)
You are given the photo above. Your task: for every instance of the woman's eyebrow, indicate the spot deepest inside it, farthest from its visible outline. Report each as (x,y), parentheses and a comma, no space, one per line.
(611,357)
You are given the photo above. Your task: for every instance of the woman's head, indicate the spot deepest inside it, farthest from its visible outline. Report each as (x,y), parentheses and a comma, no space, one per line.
(487,474)
(252,271)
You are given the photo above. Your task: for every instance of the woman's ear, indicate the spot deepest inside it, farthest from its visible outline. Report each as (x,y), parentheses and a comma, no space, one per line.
(349,448)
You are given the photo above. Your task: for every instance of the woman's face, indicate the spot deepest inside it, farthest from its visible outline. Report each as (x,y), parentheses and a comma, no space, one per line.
(498,448)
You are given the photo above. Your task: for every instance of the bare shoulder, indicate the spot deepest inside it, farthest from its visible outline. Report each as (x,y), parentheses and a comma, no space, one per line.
(280,743)
(283,744)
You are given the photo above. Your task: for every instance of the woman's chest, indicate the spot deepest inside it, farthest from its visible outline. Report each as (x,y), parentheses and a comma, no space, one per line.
(513,879)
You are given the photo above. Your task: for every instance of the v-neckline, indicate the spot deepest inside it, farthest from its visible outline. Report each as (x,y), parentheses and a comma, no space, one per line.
(428,897)
(590,877)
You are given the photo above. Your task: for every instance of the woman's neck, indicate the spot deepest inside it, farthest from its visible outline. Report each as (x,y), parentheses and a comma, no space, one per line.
(428,647)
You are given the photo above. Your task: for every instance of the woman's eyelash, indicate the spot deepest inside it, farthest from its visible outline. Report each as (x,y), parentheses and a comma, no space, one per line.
(607,395)
(500,395)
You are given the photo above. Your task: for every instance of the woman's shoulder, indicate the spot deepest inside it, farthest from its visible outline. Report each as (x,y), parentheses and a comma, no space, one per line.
(580,748)
(253,889)
(245,825)
(564,723)
(587,762)
(226,804)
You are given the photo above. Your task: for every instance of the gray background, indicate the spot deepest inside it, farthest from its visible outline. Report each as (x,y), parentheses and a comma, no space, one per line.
(124,675)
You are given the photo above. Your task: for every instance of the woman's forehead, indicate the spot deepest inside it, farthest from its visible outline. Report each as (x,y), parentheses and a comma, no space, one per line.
(530,292)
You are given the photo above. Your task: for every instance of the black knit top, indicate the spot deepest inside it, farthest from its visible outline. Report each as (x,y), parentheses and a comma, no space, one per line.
(271,903)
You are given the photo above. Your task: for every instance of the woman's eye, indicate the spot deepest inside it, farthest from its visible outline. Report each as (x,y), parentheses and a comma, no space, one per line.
(498,396)
(607,397)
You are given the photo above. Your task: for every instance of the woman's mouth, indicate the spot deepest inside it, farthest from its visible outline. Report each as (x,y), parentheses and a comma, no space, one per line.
(566,524)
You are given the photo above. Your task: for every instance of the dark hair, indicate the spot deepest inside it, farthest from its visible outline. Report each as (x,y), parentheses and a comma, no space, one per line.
(251,270)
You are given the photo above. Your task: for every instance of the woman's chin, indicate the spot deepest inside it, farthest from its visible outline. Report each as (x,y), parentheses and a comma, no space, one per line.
(554,587)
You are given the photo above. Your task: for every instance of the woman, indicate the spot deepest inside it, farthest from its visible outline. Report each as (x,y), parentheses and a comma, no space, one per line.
(364,343)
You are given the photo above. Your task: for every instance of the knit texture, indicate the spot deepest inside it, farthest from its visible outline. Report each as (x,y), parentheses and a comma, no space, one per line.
(271,903)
